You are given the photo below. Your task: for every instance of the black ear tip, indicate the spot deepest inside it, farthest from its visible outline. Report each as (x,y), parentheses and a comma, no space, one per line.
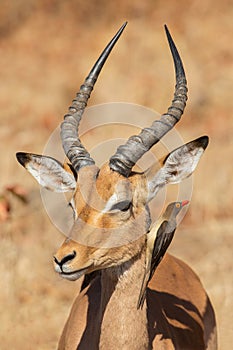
(203,141)
(22,158)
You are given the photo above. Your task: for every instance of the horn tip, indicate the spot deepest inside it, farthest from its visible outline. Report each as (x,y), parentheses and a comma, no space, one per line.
(122,27)
(169,37)
(167,32)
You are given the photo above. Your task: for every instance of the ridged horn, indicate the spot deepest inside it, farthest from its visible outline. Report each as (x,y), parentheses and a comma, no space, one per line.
(128,154)
(74,150)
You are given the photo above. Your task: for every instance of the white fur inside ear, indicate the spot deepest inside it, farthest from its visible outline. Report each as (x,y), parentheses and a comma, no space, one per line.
(179,165)
(50,174)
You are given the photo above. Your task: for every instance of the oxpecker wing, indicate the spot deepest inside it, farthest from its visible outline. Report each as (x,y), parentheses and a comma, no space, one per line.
(158,241)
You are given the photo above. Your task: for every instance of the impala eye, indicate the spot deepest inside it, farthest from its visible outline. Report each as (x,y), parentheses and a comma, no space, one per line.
(122,206)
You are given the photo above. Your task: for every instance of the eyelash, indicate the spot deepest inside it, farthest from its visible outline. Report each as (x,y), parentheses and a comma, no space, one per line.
(125,208)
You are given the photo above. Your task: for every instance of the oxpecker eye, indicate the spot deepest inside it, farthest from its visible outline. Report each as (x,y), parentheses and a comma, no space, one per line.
(71,204)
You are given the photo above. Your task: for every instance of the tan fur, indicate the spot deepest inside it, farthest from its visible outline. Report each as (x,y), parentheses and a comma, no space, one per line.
(175,318)
(108,241)
(177,314)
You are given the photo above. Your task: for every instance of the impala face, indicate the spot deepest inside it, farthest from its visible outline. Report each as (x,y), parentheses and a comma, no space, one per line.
(107,207)
(110,204)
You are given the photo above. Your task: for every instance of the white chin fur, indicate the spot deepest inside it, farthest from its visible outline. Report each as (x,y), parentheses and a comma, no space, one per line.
(74,276)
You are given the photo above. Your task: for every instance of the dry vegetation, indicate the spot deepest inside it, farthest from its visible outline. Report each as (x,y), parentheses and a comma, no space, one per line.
(46,49)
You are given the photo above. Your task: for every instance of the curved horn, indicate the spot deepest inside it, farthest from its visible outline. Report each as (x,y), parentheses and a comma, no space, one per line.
(127,155)
(71,143)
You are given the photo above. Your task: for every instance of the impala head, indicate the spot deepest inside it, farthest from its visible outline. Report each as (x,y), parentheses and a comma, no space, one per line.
(111,216)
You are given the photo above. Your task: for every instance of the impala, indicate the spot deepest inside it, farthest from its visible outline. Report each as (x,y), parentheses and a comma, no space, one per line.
(107,243)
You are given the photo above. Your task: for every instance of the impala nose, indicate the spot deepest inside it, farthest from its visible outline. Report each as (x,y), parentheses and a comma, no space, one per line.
(65,259)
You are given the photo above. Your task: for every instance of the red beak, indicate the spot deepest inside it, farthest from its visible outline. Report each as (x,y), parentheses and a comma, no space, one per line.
(184,203)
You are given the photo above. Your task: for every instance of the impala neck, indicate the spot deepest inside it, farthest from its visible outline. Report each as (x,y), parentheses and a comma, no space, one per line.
(123,326)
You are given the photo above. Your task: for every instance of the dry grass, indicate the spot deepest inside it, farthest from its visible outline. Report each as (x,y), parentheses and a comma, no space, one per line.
(46,49)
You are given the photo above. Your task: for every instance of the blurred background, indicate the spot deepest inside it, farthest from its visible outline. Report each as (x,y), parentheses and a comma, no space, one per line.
(46,49)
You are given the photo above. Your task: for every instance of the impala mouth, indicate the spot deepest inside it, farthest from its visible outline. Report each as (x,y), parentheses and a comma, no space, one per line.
(73,275)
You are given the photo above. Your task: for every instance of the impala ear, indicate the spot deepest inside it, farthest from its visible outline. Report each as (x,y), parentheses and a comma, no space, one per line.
(176,166)
(48,172)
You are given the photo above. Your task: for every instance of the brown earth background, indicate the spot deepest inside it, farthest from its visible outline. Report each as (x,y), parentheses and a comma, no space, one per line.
(46,49)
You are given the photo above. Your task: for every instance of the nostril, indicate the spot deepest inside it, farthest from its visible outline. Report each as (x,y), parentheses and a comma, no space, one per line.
(56,261)
(67,258)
